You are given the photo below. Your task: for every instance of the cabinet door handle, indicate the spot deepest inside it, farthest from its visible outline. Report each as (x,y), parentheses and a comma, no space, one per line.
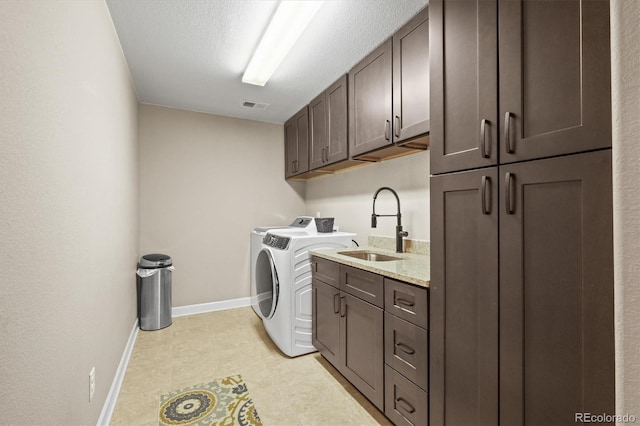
(326,154)
(507,132)
(402,403)
(483,138)
(323,156)
(406,349)
(508,195)
(405,302)
(387,130)
(336,303)
(396,125)
(343,307)
(486,193)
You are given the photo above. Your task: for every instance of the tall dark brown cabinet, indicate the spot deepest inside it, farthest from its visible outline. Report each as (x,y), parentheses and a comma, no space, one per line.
(521,212)
(552,95)
(464,298)
(556,290)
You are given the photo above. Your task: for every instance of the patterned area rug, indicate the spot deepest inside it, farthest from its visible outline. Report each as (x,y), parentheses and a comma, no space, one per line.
(221,402)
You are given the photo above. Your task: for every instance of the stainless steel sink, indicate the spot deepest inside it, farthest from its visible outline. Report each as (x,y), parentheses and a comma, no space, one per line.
(369,255)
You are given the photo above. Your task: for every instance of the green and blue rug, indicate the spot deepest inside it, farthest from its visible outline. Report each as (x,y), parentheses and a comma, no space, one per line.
(223,402)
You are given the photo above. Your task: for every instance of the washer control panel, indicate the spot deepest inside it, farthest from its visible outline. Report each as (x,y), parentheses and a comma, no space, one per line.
(276,241)
(301,222)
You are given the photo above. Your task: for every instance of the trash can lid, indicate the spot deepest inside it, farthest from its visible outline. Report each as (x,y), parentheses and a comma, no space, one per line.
(155,260)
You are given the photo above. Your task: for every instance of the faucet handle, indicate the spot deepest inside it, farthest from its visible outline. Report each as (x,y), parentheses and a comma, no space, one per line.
(403,233)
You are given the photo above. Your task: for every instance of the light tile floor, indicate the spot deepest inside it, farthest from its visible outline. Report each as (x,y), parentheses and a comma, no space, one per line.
(305,390)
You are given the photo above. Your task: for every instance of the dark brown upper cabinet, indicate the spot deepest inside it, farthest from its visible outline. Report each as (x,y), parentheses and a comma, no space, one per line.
(318,132)
(555,65)
(464,84)
(389,96)
(296,134)
(411,79)
(553,85)
(464,326)
(329,130)
(370,88)
(556,290)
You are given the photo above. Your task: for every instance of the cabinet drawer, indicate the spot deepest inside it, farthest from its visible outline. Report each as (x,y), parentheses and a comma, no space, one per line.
(406,349)
(407,301)
(404,402)
(325,270)
(362,284)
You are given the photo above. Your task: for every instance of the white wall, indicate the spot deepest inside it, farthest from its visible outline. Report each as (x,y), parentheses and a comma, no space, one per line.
(205,182)
(348,197)
(68,209)
(625,75)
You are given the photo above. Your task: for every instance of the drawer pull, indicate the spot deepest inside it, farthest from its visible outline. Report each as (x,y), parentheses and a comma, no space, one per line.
(404,348)
(402,403)
(405,302)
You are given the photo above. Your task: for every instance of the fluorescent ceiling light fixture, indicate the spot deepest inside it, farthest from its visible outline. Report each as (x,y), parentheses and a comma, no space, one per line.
(289,21)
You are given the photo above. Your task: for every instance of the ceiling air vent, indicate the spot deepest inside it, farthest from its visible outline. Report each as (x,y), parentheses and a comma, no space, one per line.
(254,105)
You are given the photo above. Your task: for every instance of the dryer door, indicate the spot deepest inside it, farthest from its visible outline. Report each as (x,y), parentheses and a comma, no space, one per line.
(267,285)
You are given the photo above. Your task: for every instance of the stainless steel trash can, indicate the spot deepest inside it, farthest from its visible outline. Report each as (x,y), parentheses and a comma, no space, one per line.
(154,291)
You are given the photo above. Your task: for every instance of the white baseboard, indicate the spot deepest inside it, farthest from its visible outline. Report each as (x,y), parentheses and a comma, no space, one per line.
(201,308)
(112,396)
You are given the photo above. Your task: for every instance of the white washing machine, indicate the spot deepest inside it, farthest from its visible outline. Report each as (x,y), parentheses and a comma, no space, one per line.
(283,281)
(257,235)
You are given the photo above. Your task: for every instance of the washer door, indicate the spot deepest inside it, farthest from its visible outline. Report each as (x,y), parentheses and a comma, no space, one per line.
(267,286)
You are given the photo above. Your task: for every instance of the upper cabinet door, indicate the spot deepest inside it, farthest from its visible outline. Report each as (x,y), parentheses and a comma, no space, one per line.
(556,290)
(318,130)
(464,84)
(337,148)
(296,135)
(370,86)
(555,95)
(290,147)
(302,127)
(411,78)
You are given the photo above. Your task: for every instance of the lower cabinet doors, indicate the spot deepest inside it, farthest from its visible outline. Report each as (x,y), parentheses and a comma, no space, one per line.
(463,326)
(547,295)
(362,351)
(348,332)
(325,333)
(556,290)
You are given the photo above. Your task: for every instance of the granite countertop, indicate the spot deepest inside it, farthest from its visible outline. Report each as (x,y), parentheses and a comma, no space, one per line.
(413,268)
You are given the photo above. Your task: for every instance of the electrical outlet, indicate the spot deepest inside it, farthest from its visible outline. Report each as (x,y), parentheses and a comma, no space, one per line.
(92,383)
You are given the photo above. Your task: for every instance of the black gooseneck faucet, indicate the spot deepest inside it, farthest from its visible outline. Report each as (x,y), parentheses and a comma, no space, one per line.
(374,218)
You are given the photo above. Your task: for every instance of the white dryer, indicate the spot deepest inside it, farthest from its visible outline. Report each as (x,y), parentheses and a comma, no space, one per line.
(283,281)
(257,235)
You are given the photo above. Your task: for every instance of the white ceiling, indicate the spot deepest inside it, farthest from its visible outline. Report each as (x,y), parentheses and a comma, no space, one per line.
(191,54)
